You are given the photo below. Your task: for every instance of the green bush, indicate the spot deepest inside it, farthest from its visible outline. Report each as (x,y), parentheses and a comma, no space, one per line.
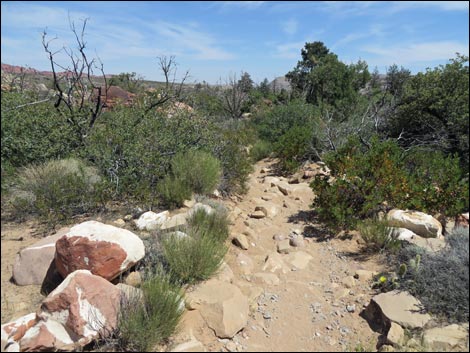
(198,169)
(228,145)
(215,225)
(197,256)
(193,258)
(145,322)
(440,280)
(294,147)
(377,235)
(32,133)
(56,190)
(260,150)
(369,180)
(173,191)
(437,183)
(134,150)
(271,125)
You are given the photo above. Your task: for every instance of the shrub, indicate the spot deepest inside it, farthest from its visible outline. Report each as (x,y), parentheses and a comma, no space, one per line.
(276,122)
(145,322)
(377,235)
(173,191)
(198,169)
(294,147)
(440,280)
(228,146)
(193,258)
(134,150)
(260,150)
(56,190)
(368,178)
(437,183)
(33,133)
(197,256)
(214,225)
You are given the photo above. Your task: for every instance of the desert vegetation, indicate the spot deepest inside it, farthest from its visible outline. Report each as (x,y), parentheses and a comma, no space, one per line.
(393,141)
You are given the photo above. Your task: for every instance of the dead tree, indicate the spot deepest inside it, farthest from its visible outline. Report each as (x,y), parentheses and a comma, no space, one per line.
(79,97)
(233,98)
(171,91)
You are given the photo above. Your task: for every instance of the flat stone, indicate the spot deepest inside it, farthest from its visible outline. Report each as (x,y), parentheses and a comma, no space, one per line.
(299,259)
(283,247)
(240,241)
(448,338)
(396,335)
(402,308)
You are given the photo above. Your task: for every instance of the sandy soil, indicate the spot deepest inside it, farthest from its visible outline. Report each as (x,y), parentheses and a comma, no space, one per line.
(307,311)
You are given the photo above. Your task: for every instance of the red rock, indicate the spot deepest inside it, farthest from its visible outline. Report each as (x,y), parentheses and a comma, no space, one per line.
(46,336)
(105,250)
(85,304)
(15,330)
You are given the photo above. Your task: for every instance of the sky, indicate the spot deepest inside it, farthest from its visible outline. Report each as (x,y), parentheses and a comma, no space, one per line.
(216,40)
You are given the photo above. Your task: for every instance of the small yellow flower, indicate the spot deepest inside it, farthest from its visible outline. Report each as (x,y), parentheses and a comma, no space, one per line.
(382,279)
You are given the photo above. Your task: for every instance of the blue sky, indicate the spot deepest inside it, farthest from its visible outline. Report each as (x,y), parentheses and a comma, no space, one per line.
(216,39)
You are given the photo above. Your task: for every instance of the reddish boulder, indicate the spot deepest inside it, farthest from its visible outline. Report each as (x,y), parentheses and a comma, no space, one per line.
(13,331)
(85,304)
(105,250)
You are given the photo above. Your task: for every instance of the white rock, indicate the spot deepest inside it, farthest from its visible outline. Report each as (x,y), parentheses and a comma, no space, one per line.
(151,220)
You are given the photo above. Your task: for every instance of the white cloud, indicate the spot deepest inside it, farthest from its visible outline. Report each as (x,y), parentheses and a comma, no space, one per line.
(290,27)
(242,4)
(415,53)
(289,50)
(440,5)
(201,45)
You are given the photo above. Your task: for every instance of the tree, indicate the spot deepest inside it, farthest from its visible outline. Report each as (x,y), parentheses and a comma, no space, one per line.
(171,90)
(130,81)
(233,98)
(79,97)
(264,88)
(324,80)
(245,82)
(433,110)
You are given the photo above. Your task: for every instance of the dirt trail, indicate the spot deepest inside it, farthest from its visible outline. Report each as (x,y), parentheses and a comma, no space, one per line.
(315,308)
(311,309)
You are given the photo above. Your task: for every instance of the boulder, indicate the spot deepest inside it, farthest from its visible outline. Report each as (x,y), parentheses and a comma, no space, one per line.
(13,331)
(401,308)
(396,335)
(176,221)
(401,233)
(257,214)
(222,305)
(49,336)
(32,263)
(284,187)
(268,208)
(151,220)
(444,339)
(105,250)
(87,305)
(418,222)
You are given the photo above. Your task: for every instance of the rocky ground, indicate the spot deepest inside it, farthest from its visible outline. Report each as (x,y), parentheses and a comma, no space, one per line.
(287,283)
(304,300)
